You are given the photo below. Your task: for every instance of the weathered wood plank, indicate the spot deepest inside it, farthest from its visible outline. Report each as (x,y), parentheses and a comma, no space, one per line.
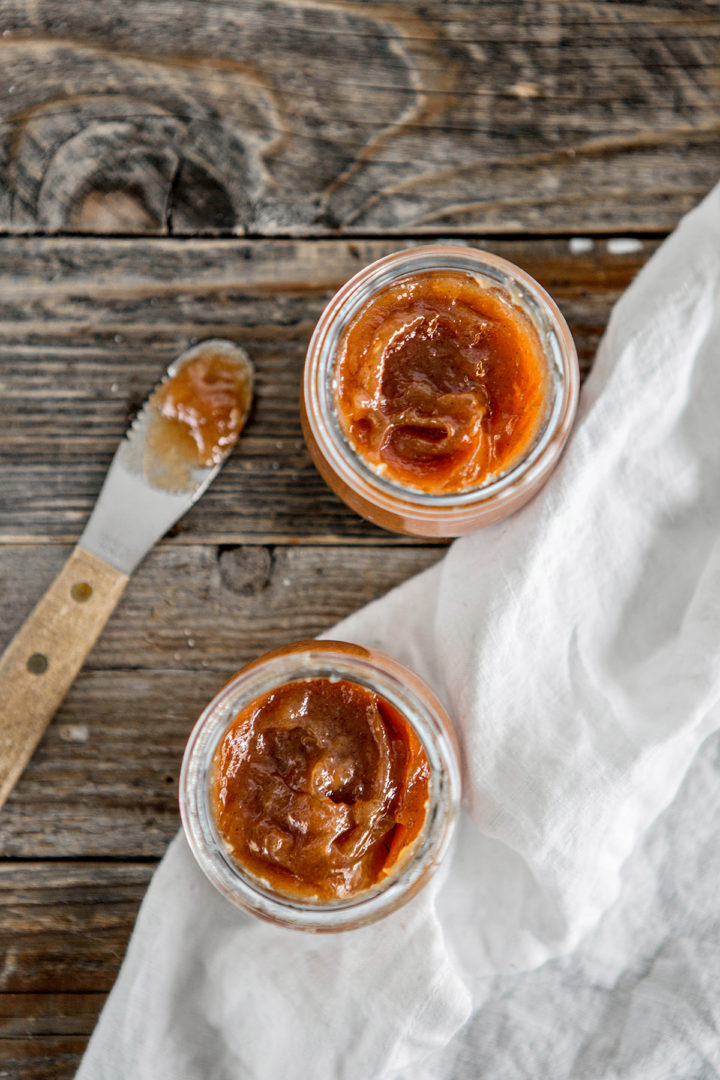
(63,932)
(41,1057)
(86,328)
(205,608)
(103,782)
(38,1015)
(108,764)
(287,116)
(64,928)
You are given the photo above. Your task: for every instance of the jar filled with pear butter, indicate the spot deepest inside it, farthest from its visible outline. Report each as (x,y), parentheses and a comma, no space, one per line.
(439,389)
(319,789)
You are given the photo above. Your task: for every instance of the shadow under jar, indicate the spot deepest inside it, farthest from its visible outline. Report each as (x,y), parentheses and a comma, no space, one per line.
(319,789)
(439,390)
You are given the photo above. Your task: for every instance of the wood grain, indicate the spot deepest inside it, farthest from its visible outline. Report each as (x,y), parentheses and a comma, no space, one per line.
(74,946)
(39,1015)
(294,117)
(41,1057)
(86,327)
(63,932)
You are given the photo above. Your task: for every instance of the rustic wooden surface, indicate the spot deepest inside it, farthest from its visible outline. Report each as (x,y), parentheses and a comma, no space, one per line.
(174,169)
(300,117)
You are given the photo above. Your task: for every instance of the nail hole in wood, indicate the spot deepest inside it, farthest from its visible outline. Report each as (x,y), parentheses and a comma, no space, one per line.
(37,664)
(81,591)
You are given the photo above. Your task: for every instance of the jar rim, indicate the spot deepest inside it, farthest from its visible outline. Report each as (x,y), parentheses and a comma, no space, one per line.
(402,689)
(495,491)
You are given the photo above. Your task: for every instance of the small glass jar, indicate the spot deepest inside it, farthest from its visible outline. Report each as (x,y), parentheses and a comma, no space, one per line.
(406,692)
(401,509)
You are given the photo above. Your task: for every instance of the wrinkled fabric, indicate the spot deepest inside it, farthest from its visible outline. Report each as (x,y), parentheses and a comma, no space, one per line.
(575,646)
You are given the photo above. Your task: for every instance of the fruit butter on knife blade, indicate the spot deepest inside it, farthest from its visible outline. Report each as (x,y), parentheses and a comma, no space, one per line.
(171,453)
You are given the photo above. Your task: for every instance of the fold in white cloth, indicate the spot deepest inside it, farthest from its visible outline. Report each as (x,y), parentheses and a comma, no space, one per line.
(575,644)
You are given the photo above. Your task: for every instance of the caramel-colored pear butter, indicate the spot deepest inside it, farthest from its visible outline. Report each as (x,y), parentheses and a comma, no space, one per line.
(320,788)
(203,407)
(440,382)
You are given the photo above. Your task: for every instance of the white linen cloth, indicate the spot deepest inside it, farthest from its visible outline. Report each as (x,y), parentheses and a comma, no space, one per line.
(576,646)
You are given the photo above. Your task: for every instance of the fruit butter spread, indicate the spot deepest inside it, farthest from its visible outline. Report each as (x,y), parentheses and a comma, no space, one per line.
(320,788)
(196,415)
(205,406)
(440,382)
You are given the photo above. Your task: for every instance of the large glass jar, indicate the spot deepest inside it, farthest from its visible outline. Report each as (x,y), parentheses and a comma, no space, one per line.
(402,508)
(395,684)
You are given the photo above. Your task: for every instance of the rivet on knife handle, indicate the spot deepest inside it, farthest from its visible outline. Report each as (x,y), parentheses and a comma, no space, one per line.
(173,450)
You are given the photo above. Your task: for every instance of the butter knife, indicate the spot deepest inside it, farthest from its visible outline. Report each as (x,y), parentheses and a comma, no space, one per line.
(152,481)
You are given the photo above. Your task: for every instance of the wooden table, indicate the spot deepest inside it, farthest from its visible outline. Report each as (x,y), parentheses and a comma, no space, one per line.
(175,169)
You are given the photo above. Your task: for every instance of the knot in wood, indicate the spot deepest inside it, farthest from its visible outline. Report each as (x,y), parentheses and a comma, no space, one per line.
(246,571)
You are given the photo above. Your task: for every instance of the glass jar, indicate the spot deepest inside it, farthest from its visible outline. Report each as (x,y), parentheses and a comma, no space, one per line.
(402,509)
(384,676)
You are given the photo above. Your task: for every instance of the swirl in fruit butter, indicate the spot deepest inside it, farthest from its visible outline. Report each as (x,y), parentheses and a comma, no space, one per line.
(440,382)
(320,789)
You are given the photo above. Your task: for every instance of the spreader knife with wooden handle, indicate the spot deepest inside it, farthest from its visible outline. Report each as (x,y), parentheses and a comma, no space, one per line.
(171,453)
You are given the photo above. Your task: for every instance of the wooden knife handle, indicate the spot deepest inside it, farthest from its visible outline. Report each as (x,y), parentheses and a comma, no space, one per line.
(41,662)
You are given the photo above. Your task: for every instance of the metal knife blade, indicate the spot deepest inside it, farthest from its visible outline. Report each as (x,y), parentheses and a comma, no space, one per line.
(134,509)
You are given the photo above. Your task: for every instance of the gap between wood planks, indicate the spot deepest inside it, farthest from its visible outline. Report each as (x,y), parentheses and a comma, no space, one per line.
(347,236)
(85,860)
(274,540)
